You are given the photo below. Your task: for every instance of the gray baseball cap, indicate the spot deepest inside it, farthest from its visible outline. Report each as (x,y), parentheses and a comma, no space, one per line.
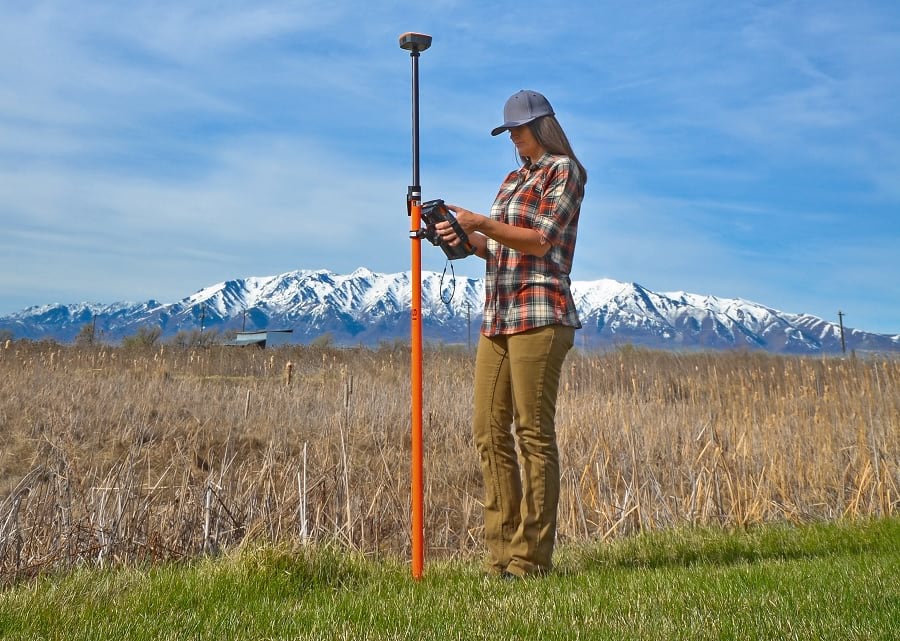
(521,108)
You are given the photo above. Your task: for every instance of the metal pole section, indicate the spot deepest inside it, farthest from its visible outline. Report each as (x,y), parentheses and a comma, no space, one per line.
(469,325)
(414,43)
(841,321)
(416,184)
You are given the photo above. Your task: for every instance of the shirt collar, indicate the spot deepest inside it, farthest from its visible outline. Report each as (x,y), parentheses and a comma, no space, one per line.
(543,161)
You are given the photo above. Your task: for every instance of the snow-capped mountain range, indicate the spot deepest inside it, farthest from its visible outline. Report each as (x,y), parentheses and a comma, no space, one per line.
(368,308)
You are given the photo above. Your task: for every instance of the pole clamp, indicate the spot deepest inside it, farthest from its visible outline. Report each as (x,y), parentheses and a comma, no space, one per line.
(414,192)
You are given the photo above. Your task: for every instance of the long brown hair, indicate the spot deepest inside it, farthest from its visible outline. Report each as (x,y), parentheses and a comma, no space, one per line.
(550,135)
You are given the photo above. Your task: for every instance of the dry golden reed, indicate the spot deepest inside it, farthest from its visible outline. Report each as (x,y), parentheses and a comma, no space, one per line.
(116,456)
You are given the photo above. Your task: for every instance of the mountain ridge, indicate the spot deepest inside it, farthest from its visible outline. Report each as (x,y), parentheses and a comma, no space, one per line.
(367,308)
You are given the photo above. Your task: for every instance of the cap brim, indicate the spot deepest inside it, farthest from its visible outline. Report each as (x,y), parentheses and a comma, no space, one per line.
(508,125)
(515,123)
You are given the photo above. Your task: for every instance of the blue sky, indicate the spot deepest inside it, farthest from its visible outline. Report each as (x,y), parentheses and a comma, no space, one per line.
(746,149)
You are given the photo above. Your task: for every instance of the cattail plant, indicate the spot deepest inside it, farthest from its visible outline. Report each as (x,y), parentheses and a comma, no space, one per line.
(114,456)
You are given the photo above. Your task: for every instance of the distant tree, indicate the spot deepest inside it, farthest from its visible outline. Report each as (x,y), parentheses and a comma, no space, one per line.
(143,338)
(182,339)
(323,341)
(393,345)
(85,334)
(209,337)
(194,338)
(5,335)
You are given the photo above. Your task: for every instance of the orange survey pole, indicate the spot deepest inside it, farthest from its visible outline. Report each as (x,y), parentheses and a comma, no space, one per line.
(416,465)
(416,43)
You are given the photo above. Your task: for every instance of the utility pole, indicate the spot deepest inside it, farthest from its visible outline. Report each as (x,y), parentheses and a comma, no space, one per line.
(202,316)
(244,322)
(841,321)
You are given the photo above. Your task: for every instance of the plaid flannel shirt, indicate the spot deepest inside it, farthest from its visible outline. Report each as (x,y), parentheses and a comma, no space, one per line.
(522,291)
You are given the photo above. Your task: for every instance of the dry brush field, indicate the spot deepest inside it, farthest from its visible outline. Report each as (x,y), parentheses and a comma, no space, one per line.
(116,456)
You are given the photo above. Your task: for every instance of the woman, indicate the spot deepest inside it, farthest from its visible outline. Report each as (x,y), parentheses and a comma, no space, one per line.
(528,242)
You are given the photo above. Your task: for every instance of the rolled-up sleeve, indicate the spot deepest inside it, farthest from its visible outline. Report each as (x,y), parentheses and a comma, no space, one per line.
(560,200)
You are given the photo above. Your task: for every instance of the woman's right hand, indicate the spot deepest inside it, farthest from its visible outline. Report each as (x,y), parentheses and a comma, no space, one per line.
(470,223)
(468,220)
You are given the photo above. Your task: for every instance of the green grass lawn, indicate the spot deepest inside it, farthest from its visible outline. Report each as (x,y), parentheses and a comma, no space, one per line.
(827,581)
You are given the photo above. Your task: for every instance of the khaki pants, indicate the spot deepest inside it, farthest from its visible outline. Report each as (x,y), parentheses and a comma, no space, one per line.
(516,381)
